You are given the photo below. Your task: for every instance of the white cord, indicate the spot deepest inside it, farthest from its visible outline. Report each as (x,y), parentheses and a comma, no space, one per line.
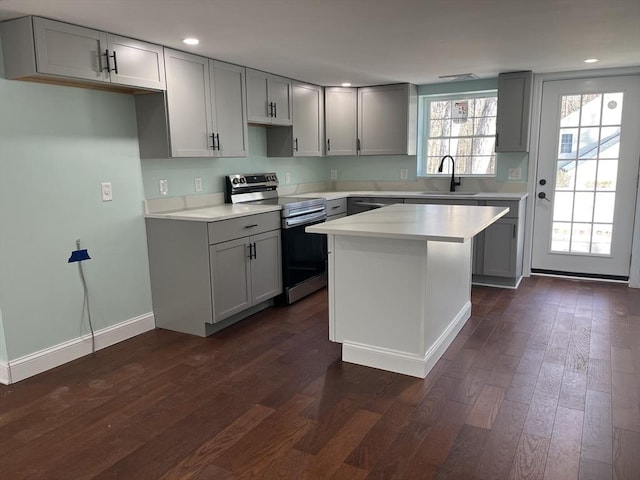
(86,302)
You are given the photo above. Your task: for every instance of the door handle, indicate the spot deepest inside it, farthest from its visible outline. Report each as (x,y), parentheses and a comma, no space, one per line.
(543,196)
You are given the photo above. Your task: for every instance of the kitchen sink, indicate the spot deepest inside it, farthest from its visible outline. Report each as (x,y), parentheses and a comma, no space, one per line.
(455,194)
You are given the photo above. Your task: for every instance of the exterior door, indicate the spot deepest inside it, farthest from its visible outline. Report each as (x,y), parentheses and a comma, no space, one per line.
(587,176)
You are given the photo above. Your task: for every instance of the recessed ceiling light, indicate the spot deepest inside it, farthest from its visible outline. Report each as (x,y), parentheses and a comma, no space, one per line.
(191,41)
(591,60)
(346,84)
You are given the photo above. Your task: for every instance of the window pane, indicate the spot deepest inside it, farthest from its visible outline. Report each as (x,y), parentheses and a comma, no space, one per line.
(439,128)
(603,211)
(589,139)
(563,207)
(462,129)
(438,148)
(586,175)
(601,242)
(583,207)
(462,147)
(565,175)
(581,237)
(484,165)
(486,107)
(607,174)
(570,115)
(591,109)
(485,126)
(560,237)
(610,142)
(612,109)
(463,165)
(439,109)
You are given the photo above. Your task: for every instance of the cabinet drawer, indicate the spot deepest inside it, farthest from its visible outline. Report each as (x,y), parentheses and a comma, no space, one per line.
(512,204)
(336,206)
(243,226)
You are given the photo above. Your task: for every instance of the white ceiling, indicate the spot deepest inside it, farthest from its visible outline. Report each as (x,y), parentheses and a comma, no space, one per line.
(372,41)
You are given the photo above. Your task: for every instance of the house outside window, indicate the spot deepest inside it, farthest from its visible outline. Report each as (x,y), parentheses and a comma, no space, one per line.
(461,125)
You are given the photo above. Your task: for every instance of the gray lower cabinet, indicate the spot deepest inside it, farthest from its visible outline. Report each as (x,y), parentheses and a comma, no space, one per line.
(38,47)
(245,272)
(202,278)
(364,204)
(201,114)
(498,250)
(336,208)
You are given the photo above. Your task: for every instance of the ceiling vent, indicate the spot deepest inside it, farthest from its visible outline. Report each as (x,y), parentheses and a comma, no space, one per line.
(458,77)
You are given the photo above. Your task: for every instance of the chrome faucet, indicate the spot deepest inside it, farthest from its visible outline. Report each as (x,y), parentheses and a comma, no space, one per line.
(454,183)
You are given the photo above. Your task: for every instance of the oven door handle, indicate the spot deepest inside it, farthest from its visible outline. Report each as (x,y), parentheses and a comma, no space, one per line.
(305,219)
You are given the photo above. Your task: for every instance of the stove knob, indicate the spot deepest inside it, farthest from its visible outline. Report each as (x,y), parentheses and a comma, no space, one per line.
(243,180)
(234,181)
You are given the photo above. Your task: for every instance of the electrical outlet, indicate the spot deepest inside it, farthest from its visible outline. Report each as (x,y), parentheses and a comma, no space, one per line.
(515,174)
(287,177)
(197,183)
(334,174)
(164,187)
(107,192)
(404,174)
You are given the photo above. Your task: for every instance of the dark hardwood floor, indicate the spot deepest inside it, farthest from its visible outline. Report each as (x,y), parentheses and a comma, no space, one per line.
(542,382)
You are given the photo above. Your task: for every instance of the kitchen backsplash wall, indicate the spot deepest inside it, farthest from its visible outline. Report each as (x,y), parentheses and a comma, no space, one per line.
(57,144)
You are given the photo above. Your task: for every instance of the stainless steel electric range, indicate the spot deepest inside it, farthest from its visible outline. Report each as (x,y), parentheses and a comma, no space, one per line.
(304,255)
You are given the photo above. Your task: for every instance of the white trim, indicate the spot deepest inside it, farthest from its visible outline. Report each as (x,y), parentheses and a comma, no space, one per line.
(403,362)
(538,80)
(48,358)
(5,374)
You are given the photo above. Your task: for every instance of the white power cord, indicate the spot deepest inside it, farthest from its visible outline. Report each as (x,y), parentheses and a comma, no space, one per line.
(86,302)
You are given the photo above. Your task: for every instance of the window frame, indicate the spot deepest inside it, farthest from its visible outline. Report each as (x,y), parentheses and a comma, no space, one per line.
(423,122)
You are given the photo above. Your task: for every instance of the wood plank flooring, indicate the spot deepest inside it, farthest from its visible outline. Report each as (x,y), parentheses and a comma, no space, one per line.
(543,382)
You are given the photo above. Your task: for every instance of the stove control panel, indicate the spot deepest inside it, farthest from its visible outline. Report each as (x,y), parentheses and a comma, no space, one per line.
(253,179)
(241,187)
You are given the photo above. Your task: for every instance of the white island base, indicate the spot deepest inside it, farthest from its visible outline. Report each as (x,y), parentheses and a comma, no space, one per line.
(397,299)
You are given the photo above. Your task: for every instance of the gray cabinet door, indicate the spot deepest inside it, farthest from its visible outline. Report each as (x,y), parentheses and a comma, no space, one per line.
(258,110)
(308,116)
(135,63)
(500,248)
(266,266)
(228,109)
(188,105)
(383,120)
(280,96)
(230,278)
(514,110)
(341,120)
(69,50)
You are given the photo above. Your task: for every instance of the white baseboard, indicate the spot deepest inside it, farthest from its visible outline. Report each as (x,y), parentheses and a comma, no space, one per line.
(38,362)
(5,379)
(403,362)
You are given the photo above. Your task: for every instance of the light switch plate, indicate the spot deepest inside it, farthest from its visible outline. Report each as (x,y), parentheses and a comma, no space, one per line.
(334,174)
(163,187)
(515,173)
(107,191)
(197,183)
(287,177)
(404,174)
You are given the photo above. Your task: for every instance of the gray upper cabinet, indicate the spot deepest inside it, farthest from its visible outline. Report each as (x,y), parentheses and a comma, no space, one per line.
(341,120)
(201,114)
(37,47)
(514,111)
(268,98)
(228,109)
(189,105)
(387,120)
(308,120)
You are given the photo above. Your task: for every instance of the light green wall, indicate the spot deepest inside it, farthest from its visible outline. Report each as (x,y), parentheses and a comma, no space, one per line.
(56,145)
(180,172)
(3,345)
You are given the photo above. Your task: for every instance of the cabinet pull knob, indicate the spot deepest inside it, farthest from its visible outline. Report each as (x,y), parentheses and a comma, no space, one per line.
(335,206)
(358,145)
(255,251)
(115,62)
(250,250)
(213,139)
(328,144)
(106,55)
(275,109)
(217,142)
(296,144)
(251,226)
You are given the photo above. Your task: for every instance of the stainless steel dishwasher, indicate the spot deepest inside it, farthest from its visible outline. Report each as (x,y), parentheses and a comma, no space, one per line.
(364,204)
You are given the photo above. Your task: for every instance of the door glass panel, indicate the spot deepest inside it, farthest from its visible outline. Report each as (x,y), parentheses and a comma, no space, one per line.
(587,168)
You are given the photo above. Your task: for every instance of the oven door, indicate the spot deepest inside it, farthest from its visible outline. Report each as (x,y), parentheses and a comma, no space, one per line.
(304,255)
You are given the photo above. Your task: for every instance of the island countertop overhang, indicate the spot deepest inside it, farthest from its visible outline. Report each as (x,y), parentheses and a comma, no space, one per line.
(442,223)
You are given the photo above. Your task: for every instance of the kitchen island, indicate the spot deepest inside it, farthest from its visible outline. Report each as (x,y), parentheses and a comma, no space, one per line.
(400,282)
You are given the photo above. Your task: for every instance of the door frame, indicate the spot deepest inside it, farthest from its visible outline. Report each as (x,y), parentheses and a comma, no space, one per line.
(536,110)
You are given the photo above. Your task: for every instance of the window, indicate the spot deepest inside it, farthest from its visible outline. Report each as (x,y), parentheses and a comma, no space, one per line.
(463,126)
(566,143)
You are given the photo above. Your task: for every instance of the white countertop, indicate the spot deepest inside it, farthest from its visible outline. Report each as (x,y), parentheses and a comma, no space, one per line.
(216,212)
(443,223)
(412,194)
